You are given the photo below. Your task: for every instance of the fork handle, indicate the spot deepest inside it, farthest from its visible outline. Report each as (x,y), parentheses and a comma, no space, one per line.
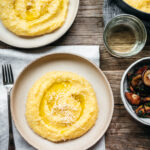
(10,124)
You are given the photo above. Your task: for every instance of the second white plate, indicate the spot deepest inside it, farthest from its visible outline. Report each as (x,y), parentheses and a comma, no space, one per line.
(11,39)
(62,62)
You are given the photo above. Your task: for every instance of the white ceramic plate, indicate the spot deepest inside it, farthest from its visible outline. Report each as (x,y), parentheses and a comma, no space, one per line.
(62,62)
(11,39)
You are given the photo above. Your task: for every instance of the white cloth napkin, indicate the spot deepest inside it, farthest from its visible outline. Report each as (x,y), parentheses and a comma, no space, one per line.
(18,60)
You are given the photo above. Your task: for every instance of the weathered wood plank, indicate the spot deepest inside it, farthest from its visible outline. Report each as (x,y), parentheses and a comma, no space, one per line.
(124,132)
(109,62)
(114,78)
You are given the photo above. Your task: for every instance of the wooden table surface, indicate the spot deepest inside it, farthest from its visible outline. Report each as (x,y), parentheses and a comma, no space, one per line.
(124,132)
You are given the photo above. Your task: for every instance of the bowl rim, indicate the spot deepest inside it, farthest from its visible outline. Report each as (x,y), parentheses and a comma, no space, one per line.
(137,10)
(126,104)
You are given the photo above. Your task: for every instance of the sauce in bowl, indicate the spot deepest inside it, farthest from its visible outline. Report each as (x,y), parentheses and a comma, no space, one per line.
(124,36)
(121,38)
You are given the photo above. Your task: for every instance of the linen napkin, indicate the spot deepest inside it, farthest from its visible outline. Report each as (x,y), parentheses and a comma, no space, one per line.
(110,9)
(19,59)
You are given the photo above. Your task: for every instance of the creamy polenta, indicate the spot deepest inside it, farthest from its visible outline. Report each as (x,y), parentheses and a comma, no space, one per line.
(61,106)
(143,5)
(33,17)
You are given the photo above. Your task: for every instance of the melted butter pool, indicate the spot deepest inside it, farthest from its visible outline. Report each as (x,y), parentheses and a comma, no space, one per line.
(59,107)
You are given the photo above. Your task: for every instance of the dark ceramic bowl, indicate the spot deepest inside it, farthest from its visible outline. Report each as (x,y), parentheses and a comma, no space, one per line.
(129,9)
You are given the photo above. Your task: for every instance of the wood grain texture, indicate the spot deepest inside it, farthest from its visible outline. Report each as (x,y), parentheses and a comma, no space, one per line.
(124,132)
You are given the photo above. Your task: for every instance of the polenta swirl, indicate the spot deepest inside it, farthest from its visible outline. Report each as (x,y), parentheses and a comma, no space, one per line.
(61,106)
(143,5)
(33,17)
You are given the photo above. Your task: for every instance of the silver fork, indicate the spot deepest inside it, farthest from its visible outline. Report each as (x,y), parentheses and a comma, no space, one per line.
(8,81)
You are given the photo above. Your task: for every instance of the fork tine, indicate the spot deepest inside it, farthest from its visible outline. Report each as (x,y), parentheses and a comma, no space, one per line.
(6,74)
(11,74)
(3,74)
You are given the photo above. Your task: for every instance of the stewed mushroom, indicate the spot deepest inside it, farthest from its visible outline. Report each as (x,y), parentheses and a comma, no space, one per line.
(138,94)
